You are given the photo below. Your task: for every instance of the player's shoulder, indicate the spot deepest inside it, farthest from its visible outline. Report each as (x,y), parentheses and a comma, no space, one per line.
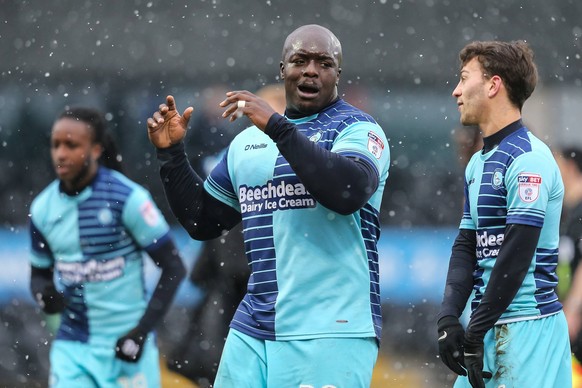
(44,198)
(348,113)
(251,137)
(115,180)
(530,149)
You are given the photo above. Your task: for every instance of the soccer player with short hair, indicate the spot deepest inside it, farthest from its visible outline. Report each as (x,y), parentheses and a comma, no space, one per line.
(507,247)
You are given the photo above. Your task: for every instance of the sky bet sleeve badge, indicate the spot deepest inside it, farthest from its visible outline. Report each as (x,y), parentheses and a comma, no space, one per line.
(529,186)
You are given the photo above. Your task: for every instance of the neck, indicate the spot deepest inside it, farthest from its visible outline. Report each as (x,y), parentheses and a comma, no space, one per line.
(296,113)
(83,180)
(499,121)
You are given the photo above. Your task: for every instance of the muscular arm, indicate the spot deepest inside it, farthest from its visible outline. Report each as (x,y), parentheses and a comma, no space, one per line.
(203,216)
(342,184)
(509,271)
(459,282)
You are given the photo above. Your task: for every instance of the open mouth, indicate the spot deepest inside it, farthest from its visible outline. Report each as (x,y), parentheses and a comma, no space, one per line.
(308,90)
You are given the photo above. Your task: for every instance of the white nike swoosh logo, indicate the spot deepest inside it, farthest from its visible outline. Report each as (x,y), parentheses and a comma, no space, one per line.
(470,355)
(442,337)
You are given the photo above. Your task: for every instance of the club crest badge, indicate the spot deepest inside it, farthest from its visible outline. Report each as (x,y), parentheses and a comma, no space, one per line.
(316,137)
(497,180)
(105,216)
(375,145)
(529,186)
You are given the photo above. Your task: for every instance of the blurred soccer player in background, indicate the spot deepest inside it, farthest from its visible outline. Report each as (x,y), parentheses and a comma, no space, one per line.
(468,141)
(90,227)
(507,246)
(307,187)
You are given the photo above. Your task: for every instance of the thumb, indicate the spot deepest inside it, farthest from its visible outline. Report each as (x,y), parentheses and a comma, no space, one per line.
(187,114)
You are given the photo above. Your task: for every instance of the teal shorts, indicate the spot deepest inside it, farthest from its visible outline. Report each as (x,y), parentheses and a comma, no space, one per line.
(77,364)
(248,362)
(532,353)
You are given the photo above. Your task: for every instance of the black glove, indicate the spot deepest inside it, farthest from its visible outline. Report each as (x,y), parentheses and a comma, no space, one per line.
(474,362)
(50,300)
(451,336)
(130,346)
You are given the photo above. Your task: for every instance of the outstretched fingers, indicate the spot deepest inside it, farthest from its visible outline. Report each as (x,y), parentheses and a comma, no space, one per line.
(187,114)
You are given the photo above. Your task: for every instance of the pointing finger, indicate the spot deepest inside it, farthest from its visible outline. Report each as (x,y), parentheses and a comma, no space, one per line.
(171,103)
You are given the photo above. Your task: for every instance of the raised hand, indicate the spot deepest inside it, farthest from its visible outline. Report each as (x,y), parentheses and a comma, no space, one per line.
(166,127)
(243,102)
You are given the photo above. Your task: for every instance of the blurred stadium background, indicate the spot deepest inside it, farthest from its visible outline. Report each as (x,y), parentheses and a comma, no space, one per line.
(400,65)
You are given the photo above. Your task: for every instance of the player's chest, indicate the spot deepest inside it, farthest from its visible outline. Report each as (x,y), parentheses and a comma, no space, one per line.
(71,228)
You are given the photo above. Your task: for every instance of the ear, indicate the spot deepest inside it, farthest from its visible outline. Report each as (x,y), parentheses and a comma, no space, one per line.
(339,71)
(281,70)
(96,151)
(495,85)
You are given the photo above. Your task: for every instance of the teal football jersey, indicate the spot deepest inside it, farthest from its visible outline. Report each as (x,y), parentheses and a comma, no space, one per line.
(518,182)
(95,241)
(314,272)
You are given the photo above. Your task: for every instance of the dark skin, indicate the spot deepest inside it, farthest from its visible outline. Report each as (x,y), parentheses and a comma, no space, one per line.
(74,154)
(310,67)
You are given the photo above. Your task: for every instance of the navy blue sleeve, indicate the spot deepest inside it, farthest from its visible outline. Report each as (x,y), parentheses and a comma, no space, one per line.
(167,257)
(342,184)
(459,282)
(201,215)
(515,256)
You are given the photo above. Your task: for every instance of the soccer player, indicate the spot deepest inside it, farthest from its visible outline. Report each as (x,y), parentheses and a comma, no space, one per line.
(507,246)
(307,186)
(90,227)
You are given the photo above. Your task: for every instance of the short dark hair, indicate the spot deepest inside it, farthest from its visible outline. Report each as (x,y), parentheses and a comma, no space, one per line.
(512,61)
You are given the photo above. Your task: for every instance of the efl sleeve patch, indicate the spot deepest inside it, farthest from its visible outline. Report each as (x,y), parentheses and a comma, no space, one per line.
(375,145)
(149,213)
(529,186)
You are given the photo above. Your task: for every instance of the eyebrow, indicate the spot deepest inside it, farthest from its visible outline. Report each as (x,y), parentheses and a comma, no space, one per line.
(317,55)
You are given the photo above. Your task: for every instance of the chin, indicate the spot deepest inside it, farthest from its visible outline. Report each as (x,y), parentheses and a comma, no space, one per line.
(310,107)
(467,122)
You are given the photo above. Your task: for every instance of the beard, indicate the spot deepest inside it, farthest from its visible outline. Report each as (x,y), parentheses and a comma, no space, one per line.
(81,180)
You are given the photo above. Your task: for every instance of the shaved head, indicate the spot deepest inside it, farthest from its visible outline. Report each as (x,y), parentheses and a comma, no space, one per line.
(306,33)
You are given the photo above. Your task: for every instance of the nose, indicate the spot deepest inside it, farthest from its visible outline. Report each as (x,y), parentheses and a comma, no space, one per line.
(59,152)
(310,69)
(457,90)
